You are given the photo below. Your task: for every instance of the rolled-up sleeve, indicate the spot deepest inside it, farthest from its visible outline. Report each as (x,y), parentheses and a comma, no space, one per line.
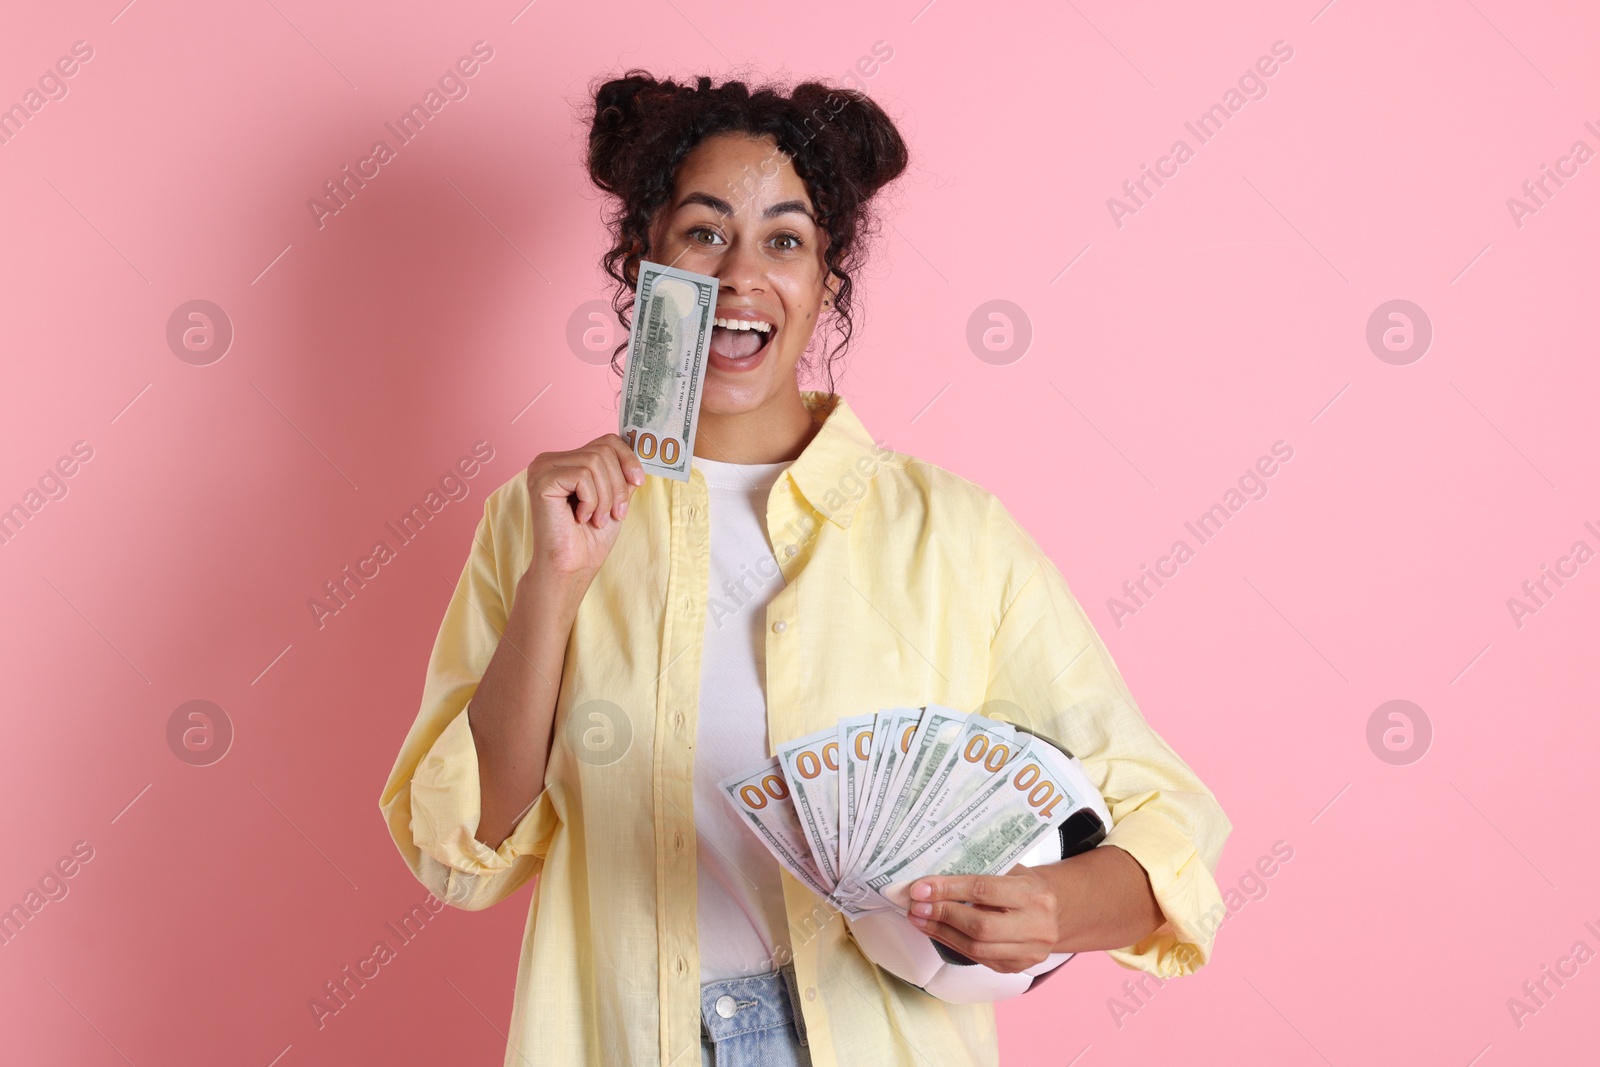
(432,802)
(1048,660)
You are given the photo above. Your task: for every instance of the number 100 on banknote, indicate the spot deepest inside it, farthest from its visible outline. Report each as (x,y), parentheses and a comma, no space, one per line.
(673,312)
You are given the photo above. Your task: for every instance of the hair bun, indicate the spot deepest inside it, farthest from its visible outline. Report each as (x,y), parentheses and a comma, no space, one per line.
(620,109)
(870,149)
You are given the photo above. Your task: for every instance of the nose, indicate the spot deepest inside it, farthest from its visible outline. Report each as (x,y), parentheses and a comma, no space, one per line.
(742,269)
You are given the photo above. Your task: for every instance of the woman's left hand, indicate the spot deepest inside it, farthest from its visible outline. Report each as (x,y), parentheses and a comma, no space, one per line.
(1010,924)
(1099,899)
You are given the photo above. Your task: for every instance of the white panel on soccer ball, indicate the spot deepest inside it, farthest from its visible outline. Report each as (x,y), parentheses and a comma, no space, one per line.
(893,943)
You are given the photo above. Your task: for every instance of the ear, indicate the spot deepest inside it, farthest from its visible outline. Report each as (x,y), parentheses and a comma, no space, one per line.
(830,292)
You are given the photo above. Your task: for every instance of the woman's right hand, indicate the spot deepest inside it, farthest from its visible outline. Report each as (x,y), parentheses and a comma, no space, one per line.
(579,500)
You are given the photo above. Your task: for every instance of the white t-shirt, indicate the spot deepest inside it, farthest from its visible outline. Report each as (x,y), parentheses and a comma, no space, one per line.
(742,923)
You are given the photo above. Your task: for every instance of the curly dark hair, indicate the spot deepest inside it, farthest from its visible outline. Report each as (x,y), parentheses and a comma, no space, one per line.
(841,144)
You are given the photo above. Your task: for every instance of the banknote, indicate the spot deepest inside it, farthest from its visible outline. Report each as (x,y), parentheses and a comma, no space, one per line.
(995,826)
(812,763)
(984,746)
(859,780)
(762,798)
(673,311)
(934,740)
(855,754)
(925,739)
(891,741)
(850,896)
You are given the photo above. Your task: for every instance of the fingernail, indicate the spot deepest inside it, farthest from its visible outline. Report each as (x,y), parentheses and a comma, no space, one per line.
(919,920)
(922,891)
(922,909)
(622,512)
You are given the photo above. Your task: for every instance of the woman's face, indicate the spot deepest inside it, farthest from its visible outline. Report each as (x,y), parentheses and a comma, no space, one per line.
(741,214)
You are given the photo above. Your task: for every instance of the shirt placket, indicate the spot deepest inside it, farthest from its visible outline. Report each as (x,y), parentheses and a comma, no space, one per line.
(677,714)
(792,528)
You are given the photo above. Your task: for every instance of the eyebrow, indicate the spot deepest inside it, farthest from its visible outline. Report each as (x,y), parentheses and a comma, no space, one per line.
(722,207)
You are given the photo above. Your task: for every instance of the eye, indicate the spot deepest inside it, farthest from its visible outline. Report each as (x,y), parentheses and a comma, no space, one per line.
(695,231)
(789,237)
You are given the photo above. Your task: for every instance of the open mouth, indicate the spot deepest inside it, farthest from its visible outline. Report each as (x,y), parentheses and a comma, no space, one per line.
(740,339)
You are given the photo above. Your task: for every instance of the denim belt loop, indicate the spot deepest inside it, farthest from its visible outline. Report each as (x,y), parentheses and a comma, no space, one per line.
(791,982)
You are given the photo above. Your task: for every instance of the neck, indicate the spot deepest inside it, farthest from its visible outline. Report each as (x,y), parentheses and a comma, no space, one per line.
(776,432)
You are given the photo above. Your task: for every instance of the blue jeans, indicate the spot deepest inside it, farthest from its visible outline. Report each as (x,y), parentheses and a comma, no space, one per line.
(753,1022)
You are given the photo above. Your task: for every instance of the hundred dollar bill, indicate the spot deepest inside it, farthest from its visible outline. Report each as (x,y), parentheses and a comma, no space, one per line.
(926,744)
(984,747)
(933,745)
(811,766)
(891,739)
(855,754)
(672,320)
(860,811)
(996,825)
(761,797)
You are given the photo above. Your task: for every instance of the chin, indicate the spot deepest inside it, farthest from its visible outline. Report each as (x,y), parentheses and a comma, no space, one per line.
(744,394)
(730,401)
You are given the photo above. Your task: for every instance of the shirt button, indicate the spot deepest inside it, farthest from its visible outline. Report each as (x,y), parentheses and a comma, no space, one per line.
(779,626)
(726,1007)
(811,992)
(791,550)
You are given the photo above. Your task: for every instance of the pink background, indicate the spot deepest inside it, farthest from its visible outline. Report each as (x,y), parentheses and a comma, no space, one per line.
(1228,313)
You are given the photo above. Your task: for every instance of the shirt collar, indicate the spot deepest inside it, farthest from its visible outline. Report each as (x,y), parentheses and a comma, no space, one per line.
(837,466)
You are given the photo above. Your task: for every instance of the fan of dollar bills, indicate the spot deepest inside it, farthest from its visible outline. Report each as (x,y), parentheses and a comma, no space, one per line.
(858,811)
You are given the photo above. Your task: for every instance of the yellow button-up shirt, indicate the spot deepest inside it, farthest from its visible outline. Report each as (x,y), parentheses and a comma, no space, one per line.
(904,585)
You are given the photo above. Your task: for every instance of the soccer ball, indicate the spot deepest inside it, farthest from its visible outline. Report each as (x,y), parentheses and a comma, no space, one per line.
(891,941)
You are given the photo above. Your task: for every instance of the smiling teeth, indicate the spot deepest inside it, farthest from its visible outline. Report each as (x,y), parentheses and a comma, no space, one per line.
(744,324)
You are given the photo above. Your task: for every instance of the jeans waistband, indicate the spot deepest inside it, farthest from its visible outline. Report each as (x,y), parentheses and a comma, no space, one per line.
(755,1002)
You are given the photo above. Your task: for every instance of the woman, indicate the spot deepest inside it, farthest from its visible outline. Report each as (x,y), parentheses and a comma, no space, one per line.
(618,644)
